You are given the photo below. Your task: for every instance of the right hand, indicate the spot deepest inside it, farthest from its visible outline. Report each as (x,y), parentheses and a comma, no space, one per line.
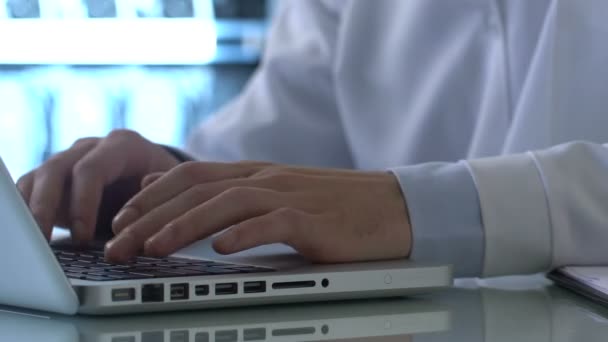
(68,189)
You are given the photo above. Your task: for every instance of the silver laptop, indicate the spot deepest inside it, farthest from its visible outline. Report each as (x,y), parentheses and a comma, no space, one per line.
(70,281)
(375,320)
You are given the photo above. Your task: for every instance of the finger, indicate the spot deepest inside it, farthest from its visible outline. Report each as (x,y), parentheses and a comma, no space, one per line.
(130,240)
(100,167)
(45,199)
(151,178)
(280,226)
(48,188)
(229,208)
(181,203)
(173,183)
(25,185)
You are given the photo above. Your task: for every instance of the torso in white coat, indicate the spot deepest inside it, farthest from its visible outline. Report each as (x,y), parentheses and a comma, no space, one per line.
(376,84)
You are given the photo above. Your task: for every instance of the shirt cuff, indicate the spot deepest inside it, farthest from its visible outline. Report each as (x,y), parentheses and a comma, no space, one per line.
(445,215)
(514,207)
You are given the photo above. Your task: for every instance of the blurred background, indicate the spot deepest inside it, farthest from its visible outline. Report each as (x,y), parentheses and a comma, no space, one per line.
(77,68)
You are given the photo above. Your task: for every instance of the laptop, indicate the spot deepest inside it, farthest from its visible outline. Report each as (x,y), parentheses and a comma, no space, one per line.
(70,281)
(372,320)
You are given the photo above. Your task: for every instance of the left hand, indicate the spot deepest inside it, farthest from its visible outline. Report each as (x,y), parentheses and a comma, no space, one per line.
(327,215)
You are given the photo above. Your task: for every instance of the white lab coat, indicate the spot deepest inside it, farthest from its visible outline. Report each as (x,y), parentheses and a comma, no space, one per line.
(387,84)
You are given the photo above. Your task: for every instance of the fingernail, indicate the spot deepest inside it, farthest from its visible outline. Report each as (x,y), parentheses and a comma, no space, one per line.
(112,255)
(150,248)
(108,251)
(229,241)
(125,217)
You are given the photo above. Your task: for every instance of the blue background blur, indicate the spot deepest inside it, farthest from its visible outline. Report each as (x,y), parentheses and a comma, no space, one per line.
(76,68)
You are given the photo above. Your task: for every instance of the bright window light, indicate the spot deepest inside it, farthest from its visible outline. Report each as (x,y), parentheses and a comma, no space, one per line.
(21,122)
(151,41)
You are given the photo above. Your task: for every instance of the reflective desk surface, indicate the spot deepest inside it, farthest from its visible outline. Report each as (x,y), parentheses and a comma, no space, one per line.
(509,309)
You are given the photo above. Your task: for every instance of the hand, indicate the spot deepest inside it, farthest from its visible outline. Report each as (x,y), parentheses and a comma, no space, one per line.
(326,215)
(67,190)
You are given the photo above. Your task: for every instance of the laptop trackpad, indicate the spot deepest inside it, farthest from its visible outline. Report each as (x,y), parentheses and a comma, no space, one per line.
(277,256)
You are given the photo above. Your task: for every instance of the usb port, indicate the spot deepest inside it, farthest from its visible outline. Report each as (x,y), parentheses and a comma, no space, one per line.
(179,291)
(254,287)
(226,289)
(201,290)
(122,295)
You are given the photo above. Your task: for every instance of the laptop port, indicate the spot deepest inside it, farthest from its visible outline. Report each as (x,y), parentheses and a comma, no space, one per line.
(226,289)
(254,287)
(293,285)
(179,336)
(254,334)
(294,331)
(123,295)
(226,336)
(201,337)
(180,291)
(201,290)
(152,293)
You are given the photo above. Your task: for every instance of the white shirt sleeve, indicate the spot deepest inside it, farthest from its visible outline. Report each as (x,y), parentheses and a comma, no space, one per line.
(445,215)
(544,209)
(287,113)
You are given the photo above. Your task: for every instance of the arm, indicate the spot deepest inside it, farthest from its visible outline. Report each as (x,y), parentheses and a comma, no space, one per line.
(537,210)
(287,113)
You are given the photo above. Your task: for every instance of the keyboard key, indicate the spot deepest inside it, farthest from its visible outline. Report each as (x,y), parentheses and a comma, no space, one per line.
(96,278)
(75,270)
(118,276)
(66,258)
(74,275)
(142,275)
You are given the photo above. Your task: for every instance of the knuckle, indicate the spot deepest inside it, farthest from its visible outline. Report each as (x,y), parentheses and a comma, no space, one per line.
(199,191)
(239,194)
(271,171)
(123,134)
(129,233)
(287,214)
(177,228)
(289,221)
(85,142)
(25,179)
(84,166)
(276,177)
(56,162)
(188,170)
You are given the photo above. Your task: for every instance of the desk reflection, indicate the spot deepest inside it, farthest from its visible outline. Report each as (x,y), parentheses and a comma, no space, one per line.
(378,320)
(480,314)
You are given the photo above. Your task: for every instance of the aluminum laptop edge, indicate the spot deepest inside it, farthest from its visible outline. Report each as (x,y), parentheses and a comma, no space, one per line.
(33,277)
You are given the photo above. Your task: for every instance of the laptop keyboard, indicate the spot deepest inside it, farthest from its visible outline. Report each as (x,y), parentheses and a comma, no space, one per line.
(91,265)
